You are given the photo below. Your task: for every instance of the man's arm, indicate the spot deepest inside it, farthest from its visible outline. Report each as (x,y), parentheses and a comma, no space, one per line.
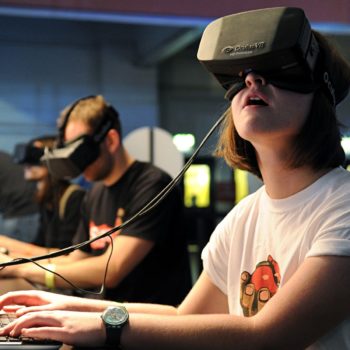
(89,271)
(17,248)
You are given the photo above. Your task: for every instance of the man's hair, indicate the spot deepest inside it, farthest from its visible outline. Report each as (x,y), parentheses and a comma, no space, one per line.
(319,142)
(91,110)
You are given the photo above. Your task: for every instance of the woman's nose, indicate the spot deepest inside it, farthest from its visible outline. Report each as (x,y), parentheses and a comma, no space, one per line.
(254,79)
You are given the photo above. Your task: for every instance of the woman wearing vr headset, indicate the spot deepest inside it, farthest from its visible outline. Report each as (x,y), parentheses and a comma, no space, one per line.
(59,203)
(277,268)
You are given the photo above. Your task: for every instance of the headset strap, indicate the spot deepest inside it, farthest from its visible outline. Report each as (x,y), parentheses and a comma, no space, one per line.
(64,199)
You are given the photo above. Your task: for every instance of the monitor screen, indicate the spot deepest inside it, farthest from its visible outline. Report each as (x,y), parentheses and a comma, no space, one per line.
(197,181)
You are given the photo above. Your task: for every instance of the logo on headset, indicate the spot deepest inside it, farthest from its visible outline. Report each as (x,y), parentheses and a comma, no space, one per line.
(243,49)
(329,86)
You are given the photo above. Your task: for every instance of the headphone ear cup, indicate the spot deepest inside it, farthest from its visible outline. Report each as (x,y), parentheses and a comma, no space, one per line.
(63,124)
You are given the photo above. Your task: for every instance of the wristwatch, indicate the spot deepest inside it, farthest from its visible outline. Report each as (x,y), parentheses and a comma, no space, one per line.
(114,318)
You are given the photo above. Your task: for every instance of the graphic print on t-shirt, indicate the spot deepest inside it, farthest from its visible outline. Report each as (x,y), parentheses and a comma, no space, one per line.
(96,230)
(260,286)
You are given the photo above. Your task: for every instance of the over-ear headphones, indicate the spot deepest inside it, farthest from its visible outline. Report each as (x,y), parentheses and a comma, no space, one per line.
(110,119)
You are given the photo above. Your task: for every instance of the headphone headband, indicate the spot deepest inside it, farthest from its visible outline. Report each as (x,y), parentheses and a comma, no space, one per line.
(110,115)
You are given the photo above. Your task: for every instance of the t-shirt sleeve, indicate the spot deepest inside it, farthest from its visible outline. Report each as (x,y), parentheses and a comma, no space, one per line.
(335,242)
(333,234)
(215,256)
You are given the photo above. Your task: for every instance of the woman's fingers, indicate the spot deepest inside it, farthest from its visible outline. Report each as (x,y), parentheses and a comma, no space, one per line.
(73,328)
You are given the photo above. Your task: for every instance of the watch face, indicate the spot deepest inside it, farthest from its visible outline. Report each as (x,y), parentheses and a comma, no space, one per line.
(115,315)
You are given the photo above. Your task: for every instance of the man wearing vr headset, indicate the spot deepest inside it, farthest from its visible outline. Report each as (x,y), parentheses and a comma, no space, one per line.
(149,259)
(59,202)
(277,268)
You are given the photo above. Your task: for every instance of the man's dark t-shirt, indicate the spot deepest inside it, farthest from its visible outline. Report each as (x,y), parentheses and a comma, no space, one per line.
(163,276)
(16,194)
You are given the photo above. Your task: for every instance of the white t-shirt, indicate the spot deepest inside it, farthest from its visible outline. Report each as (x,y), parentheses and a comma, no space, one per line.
(261,243)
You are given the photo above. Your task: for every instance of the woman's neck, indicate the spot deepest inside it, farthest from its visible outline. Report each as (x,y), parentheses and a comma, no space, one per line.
(286,182)
(281,180)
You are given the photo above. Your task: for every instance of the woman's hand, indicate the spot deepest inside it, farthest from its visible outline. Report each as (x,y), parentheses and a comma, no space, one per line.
(68,327)
(23,302)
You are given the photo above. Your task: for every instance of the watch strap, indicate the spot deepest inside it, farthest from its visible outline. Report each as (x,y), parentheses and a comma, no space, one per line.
(113,335)
(114,320)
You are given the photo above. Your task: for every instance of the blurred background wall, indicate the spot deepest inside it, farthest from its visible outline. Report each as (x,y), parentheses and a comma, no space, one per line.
(141,55)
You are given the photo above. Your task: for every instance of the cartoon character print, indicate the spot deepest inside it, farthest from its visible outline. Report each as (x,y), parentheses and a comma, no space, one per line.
(260,286)
(96,230)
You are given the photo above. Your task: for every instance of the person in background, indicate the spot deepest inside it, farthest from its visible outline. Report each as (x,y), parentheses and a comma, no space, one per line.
(277,268)
(19,217)
(59,203)
(149,259)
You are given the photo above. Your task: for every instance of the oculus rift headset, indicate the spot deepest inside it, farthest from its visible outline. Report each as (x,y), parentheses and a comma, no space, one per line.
(69,159)
(277,43)
(27,153)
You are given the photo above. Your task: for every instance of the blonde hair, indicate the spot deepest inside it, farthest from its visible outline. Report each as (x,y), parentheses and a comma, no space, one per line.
(90,110)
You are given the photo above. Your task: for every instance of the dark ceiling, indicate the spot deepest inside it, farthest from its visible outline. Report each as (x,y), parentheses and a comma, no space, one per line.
(154,29)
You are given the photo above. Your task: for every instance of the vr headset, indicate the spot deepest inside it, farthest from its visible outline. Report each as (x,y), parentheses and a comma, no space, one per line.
(275,42)
(26,153)
(71,158)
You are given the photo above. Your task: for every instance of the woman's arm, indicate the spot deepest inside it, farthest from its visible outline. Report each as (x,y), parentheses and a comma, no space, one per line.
(313,302)
(208,300)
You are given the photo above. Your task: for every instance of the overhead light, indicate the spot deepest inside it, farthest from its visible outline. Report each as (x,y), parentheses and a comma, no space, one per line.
(184,142)
(345,142)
